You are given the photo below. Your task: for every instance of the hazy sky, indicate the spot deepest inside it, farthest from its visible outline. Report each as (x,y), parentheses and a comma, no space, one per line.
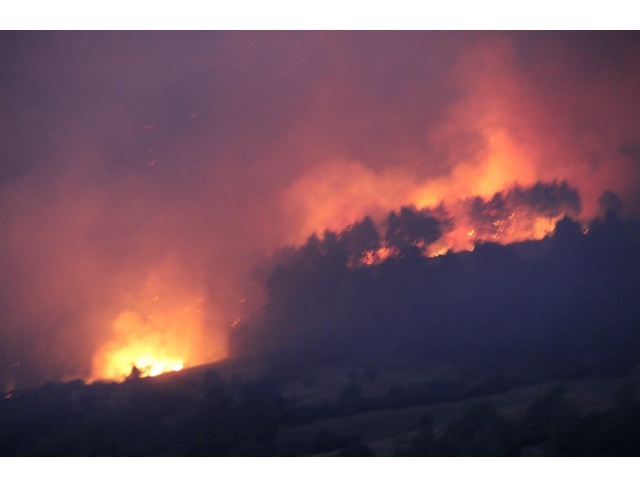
(145,178)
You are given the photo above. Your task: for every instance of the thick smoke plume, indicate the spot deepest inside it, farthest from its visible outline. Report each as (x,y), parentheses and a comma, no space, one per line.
(145,176)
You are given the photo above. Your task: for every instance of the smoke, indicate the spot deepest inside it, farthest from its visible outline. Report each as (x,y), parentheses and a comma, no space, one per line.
(172,165)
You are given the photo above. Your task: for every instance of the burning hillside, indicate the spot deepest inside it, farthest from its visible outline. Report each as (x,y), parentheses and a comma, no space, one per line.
(178,166)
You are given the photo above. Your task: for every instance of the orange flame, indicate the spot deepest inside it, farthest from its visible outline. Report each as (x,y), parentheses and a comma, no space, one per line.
(375,257)
(157,334)
(320,205)
(149,344)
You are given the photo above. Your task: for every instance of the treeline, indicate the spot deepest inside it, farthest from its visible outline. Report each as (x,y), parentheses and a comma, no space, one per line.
(564,305)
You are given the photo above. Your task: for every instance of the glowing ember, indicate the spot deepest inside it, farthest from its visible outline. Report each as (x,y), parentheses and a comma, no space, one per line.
(150,351)
(166,340)
(438,251)
(375,257)
(149,367)
(161,331)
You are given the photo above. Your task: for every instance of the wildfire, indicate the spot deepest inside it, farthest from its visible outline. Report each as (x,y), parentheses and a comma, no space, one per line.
(148,344)
(513,145)
(160,332)
(377,256)
(150,367)
(438,251)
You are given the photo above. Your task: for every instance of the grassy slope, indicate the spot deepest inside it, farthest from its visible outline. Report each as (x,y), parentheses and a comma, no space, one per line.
(384,431)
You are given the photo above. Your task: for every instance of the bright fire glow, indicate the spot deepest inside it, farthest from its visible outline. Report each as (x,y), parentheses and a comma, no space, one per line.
(344,192)
(375,257)
(150,367)
(160,332)
(152,349)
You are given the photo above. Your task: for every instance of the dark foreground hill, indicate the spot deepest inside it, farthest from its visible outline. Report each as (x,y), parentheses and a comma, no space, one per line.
(203,414)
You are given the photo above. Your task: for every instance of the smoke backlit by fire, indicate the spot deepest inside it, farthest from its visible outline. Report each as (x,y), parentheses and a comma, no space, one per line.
(160,333)
(369,194)
(497,137)
(139,343)
(215,162)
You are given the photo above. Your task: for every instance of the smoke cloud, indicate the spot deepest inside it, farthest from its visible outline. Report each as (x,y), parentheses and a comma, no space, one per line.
(144,177)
